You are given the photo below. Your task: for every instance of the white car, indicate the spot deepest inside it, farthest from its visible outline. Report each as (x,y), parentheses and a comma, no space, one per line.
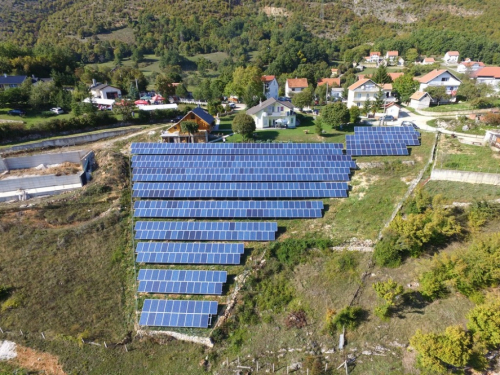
(57,110)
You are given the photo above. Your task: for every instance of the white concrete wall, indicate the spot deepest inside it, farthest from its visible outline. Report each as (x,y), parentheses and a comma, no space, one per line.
(462,176)
(35,160)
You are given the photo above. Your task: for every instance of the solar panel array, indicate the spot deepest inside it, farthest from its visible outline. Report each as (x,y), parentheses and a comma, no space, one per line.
(219,181)
(381,140)
(181,282)
(228,209)
(175,313)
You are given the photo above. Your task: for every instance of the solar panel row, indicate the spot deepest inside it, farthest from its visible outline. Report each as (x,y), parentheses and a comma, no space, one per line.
(229,204)
(237,146)
(180,287)
(387,129)
(343,165)
(242,213)
(239,177)
(229,171)
(182,275)
(207,225)
(188,258)
(177,306)
(205,151)
(204,235)
(190,247)
(172,313)
(239,158)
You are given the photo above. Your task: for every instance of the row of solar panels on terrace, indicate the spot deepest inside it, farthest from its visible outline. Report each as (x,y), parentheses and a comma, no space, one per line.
(181,281)
(381,141)
(174,313)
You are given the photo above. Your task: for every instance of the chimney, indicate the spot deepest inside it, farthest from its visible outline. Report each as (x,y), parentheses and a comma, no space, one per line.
(93,82)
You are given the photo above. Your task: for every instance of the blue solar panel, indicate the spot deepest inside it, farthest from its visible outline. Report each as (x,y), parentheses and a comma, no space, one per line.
(220,190)
(387,129)
(175,313)
(240,177)
(204,235)
(180,287)
(237,170)
(147,204)
(238,213)
(188,258)
(240,158)
(341,166)
(236,149)
(206,226)
(409,140)
(190,247)
(182,275)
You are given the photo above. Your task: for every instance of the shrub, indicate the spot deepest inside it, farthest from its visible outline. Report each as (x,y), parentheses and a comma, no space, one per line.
(274,293)
(387,253)
(492,119)
(383,312)
(484,322)
(349,317)
(292,251)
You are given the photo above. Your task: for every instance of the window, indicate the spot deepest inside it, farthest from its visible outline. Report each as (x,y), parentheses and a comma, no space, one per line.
(359,96)
(445,79)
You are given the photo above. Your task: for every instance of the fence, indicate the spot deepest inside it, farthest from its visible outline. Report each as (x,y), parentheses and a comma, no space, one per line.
(195,102)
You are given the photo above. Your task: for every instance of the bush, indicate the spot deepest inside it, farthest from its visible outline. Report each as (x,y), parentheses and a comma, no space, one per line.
(274,293)
(383,312)
(349,316)
(291,251)
(387,252)
(48,114)
(492,119)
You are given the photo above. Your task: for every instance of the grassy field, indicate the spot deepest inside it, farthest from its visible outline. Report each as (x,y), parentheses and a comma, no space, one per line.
(31,118)
(463,192)
(462,106)
(452,154)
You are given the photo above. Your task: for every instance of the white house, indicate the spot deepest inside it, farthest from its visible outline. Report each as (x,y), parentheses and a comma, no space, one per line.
(366,89)
(489,75)
(440,78)
(104,91)
(468,66)
(451,57)
(392,109)
(392,56)
(333,86)
(273,113)
(270,86)
(295,85)
(374,57)
(420,100)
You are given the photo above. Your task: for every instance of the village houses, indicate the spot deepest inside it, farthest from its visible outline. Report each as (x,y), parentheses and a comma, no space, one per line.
(273,113)
(366,89)
(295,85)
(489,75)
(451,57)
(271,86)
(440,78)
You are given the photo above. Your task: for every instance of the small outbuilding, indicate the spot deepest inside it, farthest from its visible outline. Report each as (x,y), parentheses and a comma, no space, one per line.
(420,100)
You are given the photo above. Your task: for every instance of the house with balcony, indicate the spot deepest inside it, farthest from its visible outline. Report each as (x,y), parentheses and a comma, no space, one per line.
(489,75)
(271,86)
(440,77)
(104,91)
(295,85)
(374,57)
(392,56)
(273,113)
(451,57)
(468,66)
(366,89)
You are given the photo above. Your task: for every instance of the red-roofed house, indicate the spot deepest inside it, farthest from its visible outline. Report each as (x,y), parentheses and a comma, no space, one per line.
(392,56)
(469,66)
(420,100)
(331,82)
(395,76)
(295,85)
(441,77)
(374,57)
(451,57)
(366,89)
(489,75)
(335,72)
(270,86)
(428,61)
(335,90)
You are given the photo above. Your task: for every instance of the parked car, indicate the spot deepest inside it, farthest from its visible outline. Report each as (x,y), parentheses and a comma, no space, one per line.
(232,105)
(57,110)
(16,112)
(409,123)
(387,118)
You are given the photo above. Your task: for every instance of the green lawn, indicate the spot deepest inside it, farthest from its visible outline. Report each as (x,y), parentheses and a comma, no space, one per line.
(463,106)
(31,118)
(452,154)
(453,191)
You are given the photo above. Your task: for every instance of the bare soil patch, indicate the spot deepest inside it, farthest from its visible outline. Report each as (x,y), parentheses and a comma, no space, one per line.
(39,361)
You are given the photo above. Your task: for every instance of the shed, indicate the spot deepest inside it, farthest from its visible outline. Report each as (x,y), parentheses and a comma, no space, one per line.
(392,109)
(420,100)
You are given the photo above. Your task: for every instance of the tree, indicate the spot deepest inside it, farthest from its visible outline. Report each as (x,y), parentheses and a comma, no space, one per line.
(438,351)
(411,55)
(303,99)
(354,113)
(133,93)
(404,87)
(367,107)
(438,93)
(379,101)
(318,127)
(243,124)
(335,114)
(381,75)
(181,91)
(389,291)
(41,94)
(164,85)
(125,108)
(246,82)
(484,322)
(321,93)
(189,127)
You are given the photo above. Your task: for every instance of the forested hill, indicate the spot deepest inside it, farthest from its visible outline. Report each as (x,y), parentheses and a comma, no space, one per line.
(101,30)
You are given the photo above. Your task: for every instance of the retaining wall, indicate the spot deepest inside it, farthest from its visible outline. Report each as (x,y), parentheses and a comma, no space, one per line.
(25,162)
(462,176)
(69,141)
(38,182)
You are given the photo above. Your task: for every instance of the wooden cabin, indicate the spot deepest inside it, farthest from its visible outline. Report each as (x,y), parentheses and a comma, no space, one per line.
(205,123)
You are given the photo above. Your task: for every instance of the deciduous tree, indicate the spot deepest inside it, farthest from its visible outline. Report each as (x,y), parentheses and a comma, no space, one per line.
(335,114)
(404,87)
(243,124)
